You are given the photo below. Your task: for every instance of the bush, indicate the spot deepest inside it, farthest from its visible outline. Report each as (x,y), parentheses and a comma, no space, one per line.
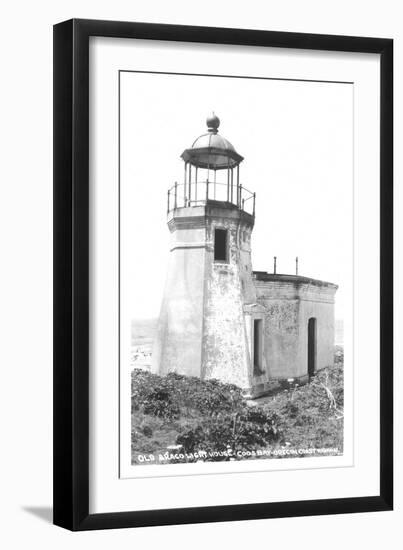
(152,395)
(147,430)
(248,430)
(201,415)
(167,396)
(312,415)
(339,355)
(210,416)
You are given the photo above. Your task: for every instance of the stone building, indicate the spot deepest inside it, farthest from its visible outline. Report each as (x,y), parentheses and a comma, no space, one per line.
(219,318)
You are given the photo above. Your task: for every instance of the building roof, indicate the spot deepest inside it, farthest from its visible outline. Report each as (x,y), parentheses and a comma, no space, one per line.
(211,150)
(296,279)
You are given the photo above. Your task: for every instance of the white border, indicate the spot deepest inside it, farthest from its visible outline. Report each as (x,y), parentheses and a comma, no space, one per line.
(108,493)
(130,191)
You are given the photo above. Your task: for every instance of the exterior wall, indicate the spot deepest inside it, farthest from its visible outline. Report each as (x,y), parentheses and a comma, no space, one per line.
(228,286)
(253,312)
(288,307)
(178,343)
(324,313)
(281,335)
(245,263)
(201,330)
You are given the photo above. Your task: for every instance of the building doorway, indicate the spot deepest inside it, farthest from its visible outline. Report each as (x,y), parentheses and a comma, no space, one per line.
(311,346)
(257,347)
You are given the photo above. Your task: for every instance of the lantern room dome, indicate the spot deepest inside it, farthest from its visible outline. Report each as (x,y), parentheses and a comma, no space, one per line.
(211,150)
(212,140)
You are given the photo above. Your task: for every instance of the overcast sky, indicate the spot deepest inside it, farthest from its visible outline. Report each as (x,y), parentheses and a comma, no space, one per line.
(297,142)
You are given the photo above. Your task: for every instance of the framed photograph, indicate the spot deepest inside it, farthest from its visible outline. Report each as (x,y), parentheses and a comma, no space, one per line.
(223,239)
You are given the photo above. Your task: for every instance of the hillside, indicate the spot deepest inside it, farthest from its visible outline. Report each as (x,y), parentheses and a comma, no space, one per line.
(180,418)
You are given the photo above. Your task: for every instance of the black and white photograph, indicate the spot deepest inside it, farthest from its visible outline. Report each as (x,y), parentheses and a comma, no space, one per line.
(236,269)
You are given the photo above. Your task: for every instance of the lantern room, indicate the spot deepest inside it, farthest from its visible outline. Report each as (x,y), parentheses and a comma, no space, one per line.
(211,173)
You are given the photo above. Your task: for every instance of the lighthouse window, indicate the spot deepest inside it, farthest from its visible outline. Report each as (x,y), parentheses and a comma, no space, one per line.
(221,245)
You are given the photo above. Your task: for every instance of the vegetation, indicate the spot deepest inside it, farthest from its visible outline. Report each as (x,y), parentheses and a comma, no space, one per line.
(311,416)
(184,419)
(195,415)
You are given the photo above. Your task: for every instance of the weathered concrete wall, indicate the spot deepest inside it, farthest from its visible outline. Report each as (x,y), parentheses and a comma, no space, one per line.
(289,302)
(281,338)
(178,343)
(315,303)
(201,329)
(245,263)
(228,287)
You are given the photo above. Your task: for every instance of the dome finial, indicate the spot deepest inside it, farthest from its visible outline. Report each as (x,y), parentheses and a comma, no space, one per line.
(213,122)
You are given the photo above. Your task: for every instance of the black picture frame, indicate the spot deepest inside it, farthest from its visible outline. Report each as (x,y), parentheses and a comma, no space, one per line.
(71,273)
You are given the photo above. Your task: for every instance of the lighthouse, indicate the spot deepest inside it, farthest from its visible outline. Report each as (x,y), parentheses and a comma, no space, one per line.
(205,327)
(219,318)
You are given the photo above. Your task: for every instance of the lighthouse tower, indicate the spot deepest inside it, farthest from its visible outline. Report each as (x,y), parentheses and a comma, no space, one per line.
(206,322)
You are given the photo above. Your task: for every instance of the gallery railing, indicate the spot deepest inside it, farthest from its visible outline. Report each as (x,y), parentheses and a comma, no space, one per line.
(198,193)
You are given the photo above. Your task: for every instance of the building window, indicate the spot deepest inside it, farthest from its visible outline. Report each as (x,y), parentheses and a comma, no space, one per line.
(257,347)
(221,245)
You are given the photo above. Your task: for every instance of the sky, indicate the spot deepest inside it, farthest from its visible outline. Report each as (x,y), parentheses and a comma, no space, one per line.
(296,138)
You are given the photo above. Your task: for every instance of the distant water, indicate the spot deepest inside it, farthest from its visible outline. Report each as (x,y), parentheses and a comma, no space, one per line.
(143,330)
(143,334)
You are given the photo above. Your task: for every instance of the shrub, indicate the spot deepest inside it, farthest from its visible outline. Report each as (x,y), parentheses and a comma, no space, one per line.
(167,396)
(245,431)
(152,395)
(312,415)
(210,416)
(147,430)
